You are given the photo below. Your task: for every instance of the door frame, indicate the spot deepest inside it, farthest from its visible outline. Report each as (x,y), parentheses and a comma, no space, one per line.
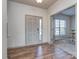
(52,18)
(25,28)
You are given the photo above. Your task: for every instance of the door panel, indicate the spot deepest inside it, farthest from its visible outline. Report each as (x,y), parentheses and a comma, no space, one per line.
(32,29)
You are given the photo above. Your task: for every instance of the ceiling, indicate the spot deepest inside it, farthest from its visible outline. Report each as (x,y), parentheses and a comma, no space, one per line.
(45,4)
(69,12)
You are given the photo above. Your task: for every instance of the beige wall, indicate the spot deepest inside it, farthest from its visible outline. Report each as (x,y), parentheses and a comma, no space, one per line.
(4,29)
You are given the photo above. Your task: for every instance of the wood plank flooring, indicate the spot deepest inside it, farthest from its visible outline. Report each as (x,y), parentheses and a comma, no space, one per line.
(44,51)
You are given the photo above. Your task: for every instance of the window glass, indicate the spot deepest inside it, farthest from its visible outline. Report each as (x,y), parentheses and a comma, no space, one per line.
(57,23)
(62,23)
(56,31)
(60,27)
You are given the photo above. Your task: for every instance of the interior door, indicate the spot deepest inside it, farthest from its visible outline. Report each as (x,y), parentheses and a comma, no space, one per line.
(33,29)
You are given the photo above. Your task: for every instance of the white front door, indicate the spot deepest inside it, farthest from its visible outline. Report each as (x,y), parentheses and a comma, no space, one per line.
(33,29)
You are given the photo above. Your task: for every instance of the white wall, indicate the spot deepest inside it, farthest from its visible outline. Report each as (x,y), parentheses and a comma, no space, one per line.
(73,24)
(60,5)
(16,22)
(4,29)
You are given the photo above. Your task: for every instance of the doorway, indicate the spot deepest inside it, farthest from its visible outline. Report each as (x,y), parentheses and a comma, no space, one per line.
(33,29)
(63,30)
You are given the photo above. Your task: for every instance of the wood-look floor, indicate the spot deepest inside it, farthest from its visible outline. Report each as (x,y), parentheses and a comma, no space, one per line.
(44,51)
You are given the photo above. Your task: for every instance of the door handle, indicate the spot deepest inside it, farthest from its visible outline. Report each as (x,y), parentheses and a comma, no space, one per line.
(38,29)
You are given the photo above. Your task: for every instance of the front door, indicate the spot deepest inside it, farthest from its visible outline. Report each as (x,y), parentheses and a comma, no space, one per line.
(33,29)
